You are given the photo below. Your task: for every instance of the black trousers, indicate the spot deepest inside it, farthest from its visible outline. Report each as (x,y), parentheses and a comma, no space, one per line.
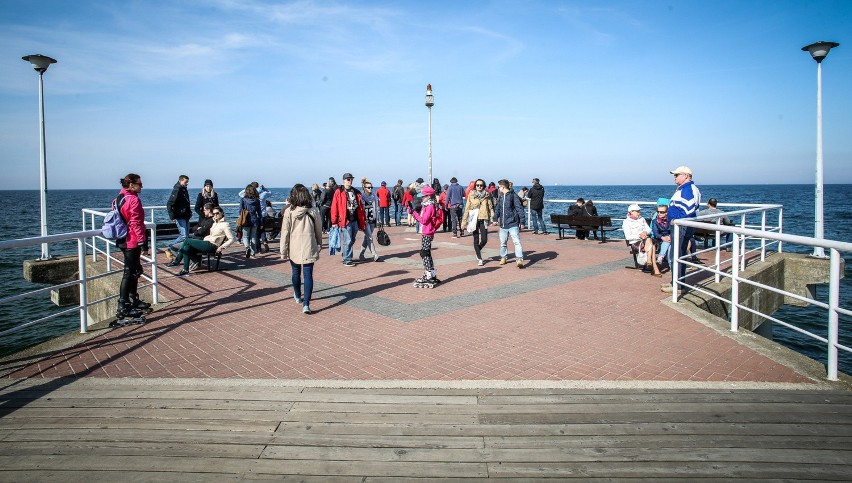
(480,237)
(132,272)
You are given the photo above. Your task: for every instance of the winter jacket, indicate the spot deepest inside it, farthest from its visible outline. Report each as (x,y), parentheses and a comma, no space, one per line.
(134,215)
(485,205)
(220,234)
(509,211)
(634,228)
(536,197)
(427,218)
(200,200)
(658,229)
(301,235)
(178,205)
(339,209)
(328,196)
(684,202)
(202,228)
(384,196)
(455,195)
(253,207)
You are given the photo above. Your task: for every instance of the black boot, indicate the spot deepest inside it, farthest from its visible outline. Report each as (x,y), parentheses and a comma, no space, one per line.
(127,311)
(137,303)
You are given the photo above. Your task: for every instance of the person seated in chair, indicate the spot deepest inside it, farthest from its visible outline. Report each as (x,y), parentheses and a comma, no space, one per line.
(219,238)
(661,233)
(201,230)
(724,220)
(636,230)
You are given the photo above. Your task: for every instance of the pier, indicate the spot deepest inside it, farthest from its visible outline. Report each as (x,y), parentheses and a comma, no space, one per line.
(572,367)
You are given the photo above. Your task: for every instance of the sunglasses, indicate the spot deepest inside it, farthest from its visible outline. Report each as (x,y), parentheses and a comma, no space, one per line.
(217,212)
(368,187)
(662,212)
(480,186)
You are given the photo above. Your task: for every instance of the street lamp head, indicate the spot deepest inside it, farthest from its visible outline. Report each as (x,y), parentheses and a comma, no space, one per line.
(40,62)
(820,49)
(430,100)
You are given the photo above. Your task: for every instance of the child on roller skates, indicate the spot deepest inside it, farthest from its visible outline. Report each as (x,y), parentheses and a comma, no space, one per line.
(430,218)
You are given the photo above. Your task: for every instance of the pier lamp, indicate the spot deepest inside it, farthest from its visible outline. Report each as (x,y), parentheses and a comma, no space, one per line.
(40,64)
(819,50)
(430,101)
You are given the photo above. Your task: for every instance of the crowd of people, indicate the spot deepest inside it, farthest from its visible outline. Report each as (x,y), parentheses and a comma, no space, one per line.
(341,212)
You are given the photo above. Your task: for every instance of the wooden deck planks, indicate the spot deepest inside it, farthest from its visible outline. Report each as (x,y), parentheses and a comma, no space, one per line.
(103,432)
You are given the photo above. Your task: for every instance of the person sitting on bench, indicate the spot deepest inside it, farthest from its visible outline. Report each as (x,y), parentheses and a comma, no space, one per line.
(636,230)
(579,209)
(220,237)
(661,233)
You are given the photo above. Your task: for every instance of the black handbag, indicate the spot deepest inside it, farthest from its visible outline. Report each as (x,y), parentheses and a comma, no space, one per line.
(382,237)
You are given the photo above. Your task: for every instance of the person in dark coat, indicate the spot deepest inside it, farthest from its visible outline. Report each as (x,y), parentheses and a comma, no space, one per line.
(180,208)
(579,209)
(207,195)
(536,199)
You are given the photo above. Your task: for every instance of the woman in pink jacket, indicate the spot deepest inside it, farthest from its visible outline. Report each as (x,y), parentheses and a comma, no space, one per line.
(430,218)
(132,246)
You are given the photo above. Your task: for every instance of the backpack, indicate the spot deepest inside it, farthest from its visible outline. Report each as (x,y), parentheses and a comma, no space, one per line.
(115,228)
(397,193)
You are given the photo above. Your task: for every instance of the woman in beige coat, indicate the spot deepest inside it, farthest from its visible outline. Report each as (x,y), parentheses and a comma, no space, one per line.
(479,199)
(301,241)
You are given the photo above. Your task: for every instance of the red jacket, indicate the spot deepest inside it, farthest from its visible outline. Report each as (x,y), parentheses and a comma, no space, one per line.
(338,208)
(384,196)
(134,215)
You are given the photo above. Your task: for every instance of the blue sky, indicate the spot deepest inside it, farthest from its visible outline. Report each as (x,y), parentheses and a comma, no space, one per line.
(572,92)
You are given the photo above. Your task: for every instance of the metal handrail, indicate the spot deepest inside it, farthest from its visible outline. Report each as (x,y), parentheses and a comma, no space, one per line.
(738,260)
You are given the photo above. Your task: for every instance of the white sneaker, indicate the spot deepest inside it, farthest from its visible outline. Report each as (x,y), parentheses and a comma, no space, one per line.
(481,262)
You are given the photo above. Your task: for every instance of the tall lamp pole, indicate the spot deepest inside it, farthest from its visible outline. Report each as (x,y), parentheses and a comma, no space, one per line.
(818,51)
(40,64)
(430,101)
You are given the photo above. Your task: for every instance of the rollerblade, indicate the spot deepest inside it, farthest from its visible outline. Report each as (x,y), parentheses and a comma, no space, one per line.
(427,281)
(137,303)
(127,315)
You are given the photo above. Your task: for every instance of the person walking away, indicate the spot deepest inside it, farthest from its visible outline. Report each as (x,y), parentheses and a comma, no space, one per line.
(397,195)
(509,216)
(683,204)
(407,197)
(478,212)
(130,307)
(325,204)
(536,200)
(369,202)
(454,200)
(384,196)
(301,243)
(180,209)
(251,231)
(348,214)
(217,240)
(430,218)
(207,195)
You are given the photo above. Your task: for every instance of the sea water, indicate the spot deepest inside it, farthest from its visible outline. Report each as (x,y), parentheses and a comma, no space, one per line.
(64,215)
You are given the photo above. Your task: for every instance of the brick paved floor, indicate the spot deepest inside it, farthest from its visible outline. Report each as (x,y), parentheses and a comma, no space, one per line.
(575,313)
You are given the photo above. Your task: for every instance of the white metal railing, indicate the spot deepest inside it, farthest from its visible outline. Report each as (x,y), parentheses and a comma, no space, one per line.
(737,263)
(81,281)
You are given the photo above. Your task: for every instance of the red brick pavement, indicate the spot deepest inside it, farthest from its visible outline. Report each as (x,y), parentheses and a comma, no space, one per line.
(573,314)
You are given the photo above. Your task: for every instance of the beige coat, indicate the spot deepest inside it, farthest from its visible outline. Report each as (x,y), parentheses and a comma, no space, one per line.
(301,235)
(485,205)
(220,235)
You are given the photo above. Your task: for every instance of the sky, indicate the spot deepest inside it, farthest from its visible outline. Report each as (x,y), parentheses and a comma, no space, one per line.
(285,92)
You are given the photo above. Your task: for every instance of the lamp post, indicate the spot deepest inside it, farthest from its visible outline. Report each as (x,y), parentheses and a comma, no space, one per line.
(818,51)
(430,101)
(40,64)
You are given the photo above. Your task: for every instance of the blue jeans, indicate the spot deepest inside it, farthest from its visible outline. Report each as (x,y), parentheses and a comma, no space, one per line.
(514,232)
(183,231)
(384,215)
(397,212)
(349,233)
(307,270)
(538,221)
(251,234)
(368,237)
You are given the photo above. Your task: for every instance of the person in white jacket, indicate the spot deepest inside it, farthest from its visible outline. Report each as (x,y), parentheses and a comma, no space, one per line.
(635,228)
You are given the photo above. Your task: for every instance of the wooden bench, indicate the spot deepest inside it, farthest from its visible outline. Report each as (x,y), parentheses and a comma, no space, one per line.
(568,222)
(272,227)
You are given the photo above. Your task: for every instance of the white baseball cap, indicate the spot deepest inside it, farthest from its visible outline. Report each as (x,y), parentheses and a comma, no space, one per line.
(681,170)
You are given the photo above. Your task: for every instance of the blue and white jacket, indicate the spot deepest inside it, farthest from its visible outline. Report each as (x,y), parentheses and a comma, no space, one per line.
(684,202)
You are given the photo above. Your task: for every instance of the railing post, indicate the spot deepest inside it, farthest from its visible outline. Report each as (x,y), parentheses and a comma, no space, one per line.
(763,240)
(718,278)
(833,304)
(735,286)
(155,293)
(84,300)
(780,226)
(676,255)
(741,258)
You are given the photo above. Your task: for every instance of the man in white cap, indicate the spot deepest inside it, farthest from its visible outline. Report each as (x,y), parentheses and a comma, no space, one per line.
(684,204)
